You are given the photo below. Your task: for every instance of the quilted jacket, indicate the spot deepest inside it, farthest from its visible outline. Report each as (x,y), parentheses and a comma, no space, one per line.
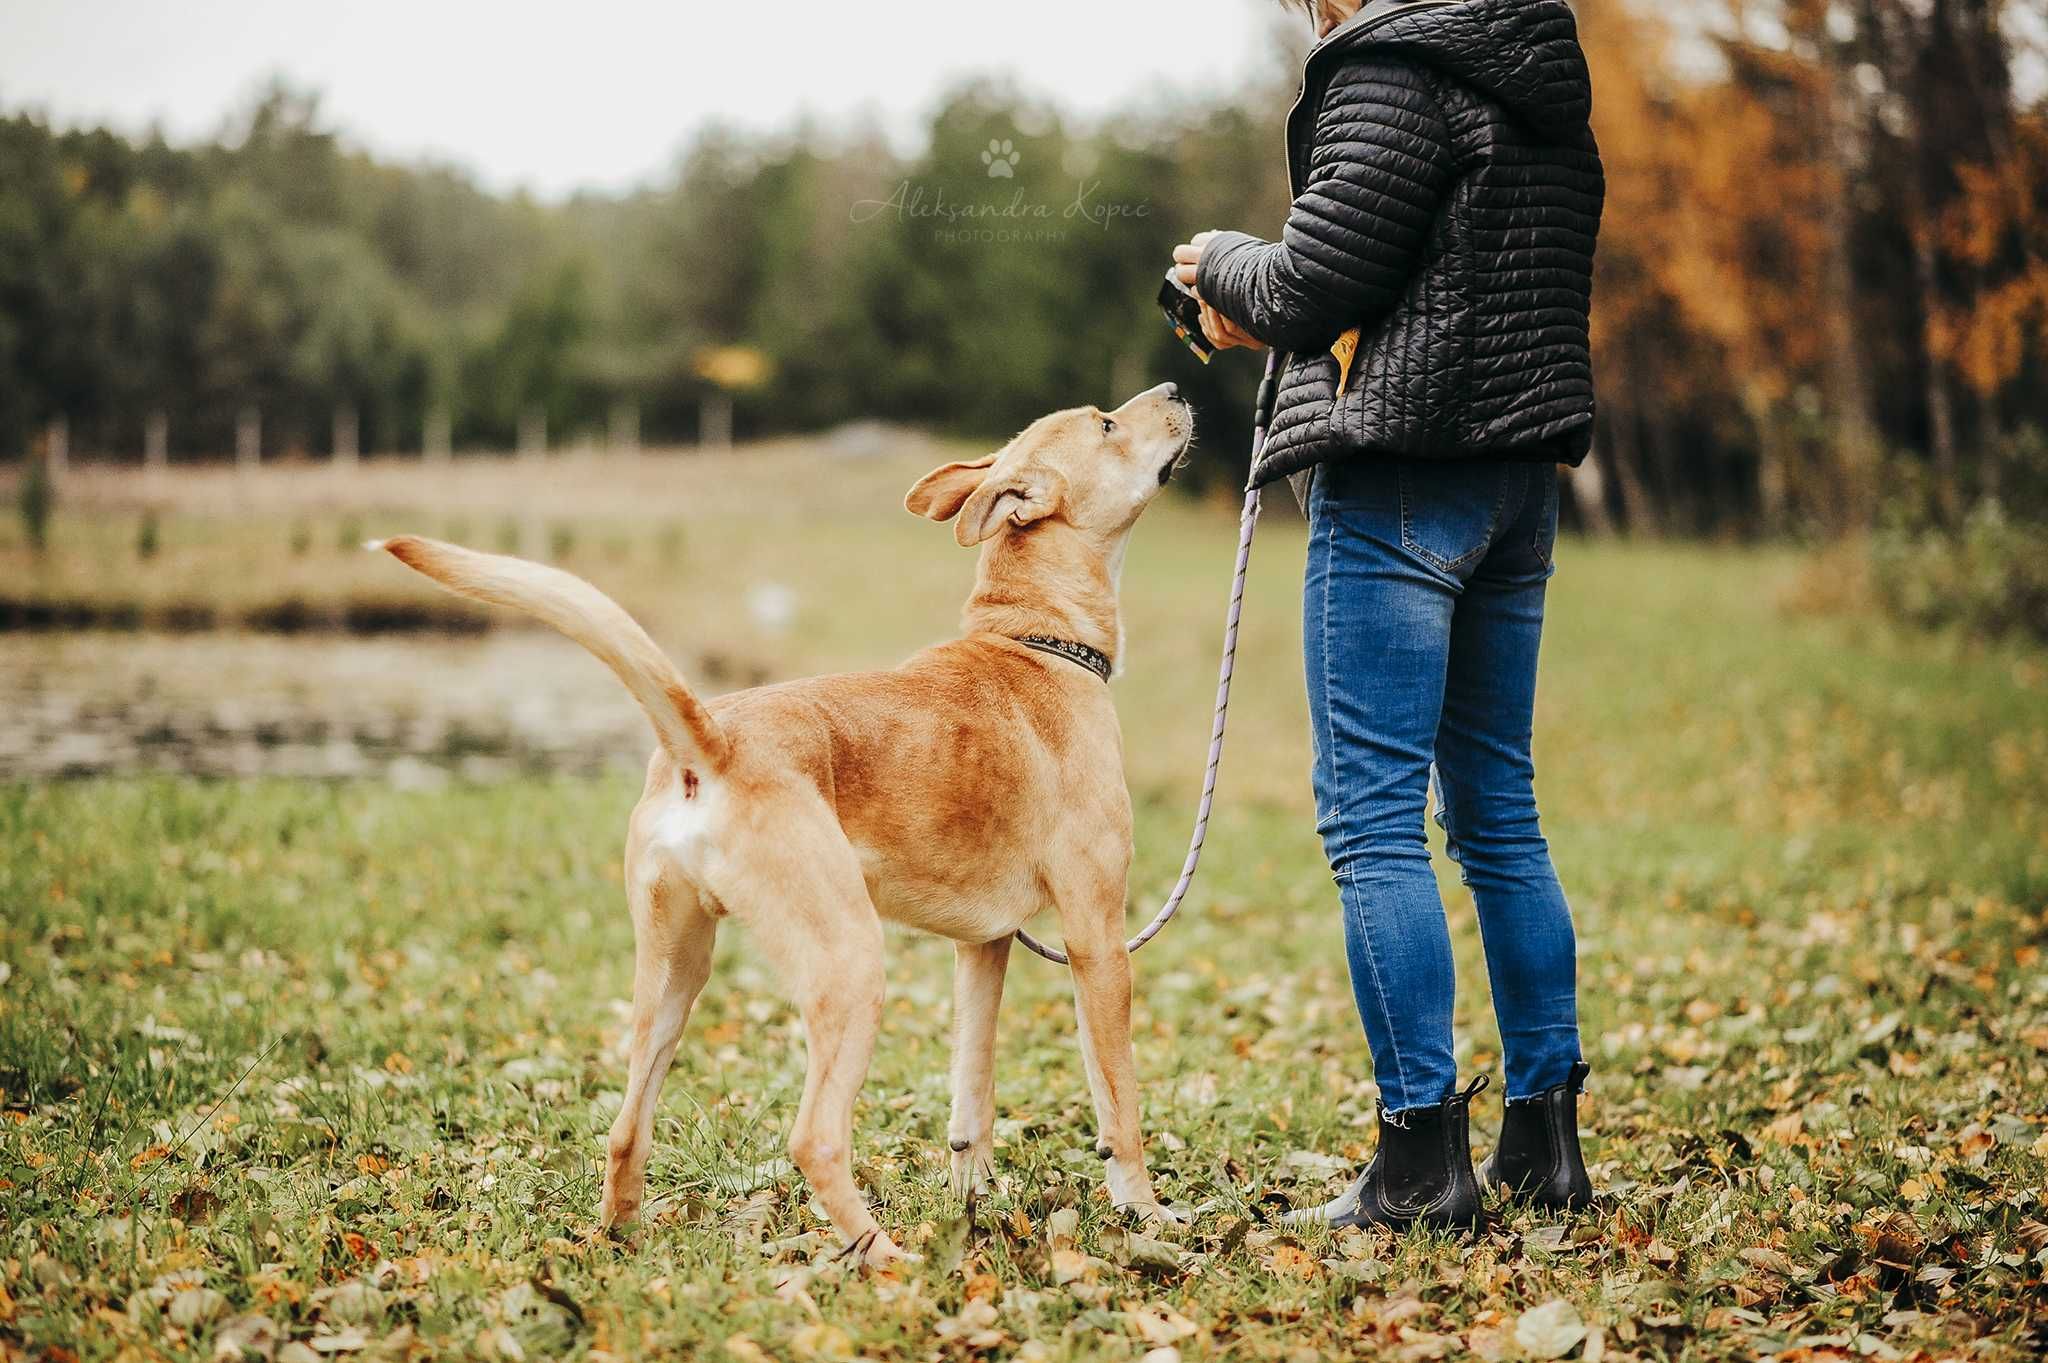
(1447,192)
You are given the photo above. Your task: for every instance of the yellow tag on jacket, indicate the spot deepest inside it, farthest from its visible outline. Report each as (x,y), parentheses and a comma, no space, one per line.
(1343,348)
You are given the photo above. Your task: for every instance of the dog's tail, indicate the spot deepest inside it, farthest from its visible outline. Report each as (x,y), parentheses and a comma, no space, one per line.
(586,615)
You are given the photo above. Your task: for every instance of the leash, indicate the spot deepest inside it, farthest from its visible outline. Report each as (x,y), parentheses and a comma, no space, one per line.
(1247,522)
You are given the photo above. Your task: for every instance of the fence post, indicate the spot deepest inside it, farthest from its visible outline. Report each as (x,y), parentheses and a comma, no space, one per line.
(438,440)
(623,431)
(156,441)
(345,430)
(533,433)
(533,448)
(714,421)
(57,447)
(248,439)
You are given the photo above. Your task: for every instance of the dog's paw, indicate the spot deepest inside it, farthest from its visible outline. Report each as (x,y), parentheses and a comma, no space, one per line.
(617,1215)
(883,1253)
(972,1169)
(1157,1214)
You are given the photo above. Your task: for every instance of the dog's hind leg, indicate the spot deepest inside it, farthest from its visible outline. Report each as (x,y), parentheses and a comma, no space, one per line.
(1102,1006)
(978,970)
(672,941)
(822,933)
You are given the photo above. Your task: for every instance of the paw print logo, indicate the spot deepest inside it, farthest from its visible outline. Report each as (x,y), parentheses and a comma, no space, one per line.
(1001,158)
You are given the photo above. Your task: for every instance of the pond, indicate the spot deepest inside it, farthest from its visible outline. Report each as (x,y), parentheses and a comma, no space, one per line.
(412,710)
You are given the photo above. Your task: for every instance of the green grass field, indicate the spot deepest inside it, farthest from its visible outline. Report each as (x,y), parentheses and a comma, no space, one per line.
(324,1070)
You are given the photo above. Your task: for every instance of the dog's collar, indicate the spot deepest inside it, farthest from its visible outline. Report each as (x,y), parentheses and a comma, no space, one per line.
(1094,659)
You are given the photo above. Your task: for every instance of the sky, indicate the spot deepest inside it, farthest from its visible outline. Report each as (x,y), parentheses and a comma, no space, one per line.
(598,94)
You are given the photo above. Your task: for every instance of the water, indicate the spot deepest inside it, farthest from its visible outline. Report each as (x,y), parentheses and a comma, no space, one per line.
(409,710)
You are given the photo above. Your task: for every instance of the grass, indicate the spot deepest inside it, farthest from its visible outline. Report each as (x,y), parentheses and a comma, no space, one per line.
(330,1065)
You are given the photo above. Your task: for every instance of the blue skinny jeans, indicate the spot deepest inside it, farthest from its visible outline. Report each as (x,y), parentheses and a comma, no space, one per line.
(1423,609)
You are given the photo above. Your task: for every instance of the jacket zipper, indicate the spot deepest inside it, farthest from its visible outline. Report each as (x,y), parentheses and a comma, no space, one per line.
(1364,22)
(1360,24)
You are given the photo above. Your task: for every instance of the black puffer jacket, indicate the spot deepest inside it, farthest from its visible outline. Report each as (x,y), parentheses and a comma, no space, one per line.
(1447,192)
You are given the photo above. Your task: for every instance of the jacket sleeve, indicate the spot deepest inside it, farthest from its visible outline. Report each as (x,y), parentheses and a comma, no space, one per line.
(1381,163)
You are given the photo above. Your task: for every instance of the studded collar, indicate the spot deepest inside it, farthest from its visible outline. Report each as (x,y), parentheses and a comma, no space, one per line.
(1094,659)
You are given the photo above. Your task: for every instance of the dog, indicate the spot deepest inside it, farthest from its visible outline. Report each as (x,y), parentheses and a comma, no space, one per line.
(960,793)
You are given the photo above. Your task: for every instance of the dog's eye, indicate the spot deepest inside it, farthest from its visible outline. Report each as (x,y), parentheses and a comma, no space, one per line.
(1108,426)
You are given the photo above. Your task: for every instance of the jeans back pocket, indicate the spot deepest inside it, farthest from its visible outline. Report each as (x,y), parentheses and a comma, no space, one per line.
(1451,509)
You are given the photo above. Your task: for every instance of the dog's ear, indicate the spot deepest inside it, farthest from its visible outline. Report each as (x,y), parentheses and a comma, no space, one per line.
(1030,493)
(939,494)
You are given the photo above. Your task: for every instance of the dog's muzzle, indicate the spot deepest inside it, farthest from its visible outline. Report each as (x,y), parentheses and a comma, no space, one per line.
(1185,414)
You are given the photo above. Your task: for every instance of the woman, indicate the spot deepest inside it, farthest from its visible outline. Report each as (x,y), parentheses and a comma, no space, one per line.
(1430,290)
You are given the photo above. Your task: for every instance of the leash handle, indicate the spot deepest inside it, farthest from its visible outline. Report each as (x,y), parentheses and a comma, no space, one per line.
(1247,523)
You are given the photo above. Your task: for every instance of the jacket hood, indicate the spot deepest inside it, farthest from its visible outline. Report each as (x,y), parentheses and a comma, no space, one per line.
(1523,53)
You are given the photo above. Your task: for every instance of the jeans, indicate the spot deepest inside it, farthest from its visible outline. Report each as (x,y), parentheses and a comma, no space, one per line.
(1423,608)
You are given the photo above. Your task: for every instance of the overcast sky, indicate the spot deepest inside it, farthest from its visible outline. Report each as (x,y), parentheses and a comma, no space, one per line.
(600,94)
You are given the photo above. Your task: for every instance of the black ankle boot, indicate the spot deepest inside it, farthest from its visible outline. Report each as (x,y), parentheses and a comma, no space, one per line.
(1421,1175)
(1538,1156)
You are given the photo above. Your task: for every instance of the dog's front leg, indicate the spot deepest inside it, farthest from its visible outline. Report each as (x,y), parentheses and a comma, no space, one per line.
(978,972)
(1102,1006)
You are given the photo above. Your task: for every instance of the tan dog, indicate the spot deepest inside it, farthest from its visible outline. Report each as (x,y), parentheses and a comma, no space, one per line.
(961,793)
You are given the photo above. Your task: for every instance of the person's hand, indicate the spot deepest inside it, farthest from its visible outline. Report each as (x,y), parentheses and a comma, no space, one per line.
(1223,333)
(1187,257)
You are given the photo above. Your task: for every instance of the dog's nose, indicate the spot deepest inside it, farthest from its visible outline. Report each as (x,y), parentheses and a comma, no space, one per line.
(1169,391)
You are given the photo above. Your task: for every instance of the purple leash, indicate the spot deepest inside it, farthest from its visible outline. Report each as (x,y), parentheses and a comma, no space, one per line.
(1248,521)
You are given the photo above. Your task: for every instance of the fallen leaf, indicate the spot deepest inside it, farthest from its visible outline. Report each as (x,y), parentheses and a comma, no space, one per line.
(194,1204)
(1488,1343)
(1145,1254)
(1314,1164)
(250,1336)
(353,1302)
(195,1306)
(1769,1260)
(974,1326)
(1233,1236)
(821,1341)
(1417,1346)
(1551,1330)
(1293,1260)
(746,1351)
(1893,1239)
(348,1341)
(1069,1264)
(1162,1324)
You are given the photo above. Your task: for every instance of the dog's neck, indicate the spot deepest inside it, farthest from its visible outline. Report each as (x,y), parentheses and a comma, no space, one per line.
(1049,580)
